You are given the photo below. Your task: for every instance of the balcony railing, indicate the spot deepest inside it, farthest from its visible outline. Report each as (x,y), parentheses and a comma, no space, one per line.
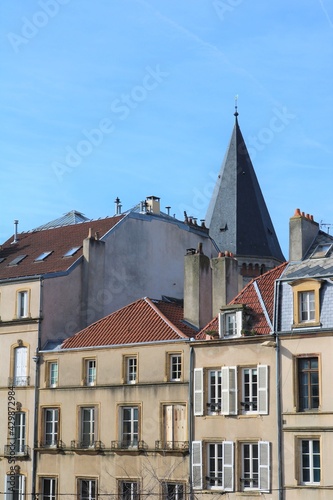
(87,445)
(172,445)
(18,381)
(52,445)
(128,445)
(214,407)
(16,450)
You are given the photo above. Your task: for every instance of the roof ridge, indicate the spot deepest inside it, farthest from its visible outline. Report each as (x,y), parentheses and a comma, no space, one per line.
(165,319)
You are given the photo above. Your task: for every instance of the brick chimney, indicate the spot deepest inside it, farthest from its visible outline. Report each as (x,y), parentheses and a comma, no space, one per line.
(225,280)
(302,231)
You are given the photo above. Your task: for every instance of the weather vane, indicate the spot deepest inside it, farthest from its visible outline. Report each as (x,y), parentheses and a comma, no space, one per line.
(236,107)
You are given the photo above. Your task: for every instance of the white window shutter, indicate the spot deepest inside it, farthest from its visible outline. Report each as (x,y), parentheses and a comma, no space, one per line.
(229,390)
(21,485)
(263,389)
(239,322)
(197,465)
(221,325)
(228,465)
(198,391)
(264,466)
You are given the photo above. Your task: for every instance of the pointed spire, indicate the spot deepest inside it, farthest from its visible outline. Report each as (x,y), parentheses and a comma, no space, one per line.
(236,107)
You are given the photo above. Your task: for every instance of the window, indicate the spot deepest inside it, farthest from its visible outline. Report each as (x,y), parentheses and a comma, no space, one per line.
(87,489)
(310,461)
(255,466)
(22,304)
(130,369)
(128,490)
(15,487)
(321,251)
(20,433)
(174,426)
(17,260)
(306,303)
(90,371)
(88,431)
(71,251)
(20,366)
(173,491)
(49,488)
(214,391)
(129,426)
(230,323)
(250,390)
(175,367)
(52,373)
(308,383)
(43,256)
(51,427)
(218,471)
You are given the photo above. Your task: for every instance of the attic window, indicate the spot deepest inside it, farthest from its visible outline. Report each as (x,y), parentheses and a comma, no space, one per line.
(43,256)
(322,251)
(17,260)
(71,252)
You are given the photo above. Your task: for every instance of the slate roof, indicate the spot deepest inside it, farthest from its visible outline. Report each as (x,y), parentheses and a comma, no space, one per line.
(313,267)
(57,240)
(237,215)
(258,296)
(145,320)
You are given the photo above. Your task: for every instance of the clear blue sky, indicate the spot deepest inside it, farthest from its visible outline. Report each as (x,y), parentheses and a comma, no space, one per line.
(133,98)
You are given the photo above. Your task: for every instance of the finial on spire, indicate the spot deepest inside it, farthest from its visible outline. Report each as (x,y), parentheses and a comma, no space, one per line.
(236,107)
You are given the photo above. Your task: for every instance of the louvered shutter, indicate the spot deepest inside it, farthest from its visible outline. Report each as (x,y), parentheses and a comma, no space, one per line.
(262,389)
(264,466)
(229,390)
(221,325)
(198,391)
(197,465)
(228,465)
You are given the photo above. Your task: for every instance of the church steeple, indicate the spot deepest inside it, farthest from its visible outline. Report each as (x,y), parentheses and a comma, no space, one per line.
(237,215)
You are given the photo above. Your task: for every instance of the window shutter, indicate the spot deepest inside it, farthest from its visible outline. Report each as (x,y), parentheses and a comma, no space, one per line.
(21,487)
(197,465)
(229,390)
(198,391)
(228,465)
(239,322)
(264,466)
(221,325)
(263,389)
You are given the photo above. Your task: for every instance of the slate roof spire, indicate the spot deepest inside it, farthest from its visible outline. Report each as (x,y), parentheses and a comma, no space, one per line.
(237,215)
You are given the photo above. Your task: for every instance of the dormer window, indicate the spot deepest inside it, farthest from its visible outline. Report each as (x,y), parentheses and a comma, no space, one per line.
(230,323)
(306,303)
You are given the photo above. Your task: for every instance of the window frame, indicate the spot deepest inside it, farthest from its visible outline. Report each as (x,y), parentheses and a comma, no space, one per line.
(201,465)
(23,303)
(175,366)
(91,482)
(263,460)
(130,369)
(173,416)
(299,288)
(128,495)
(214,392)
(20,432)
(54,411)
(89,372)
(53,489)
(134,425)
(19,493)
(300,454)
(91,411)
(175,494)
(224,315)
(50,382)
(297,384)
(18,378)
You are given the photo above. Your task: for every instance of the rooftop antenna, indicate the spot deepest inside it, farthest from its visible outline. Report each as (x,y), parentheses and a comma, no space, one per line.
(236,106)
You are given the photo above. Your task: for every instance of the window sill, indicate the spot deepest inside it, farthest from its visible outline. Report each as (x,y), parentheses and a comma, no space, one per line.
(306,324)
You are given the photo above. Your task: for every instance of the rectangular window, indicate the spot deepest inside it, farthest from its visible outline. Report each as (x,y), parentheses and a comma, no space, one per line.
(214,465)
(308,383)
(128,490)
(20,366)
(310,461)
(15,487)
(129,426)
(87,489)
(214,391)
(51,427)
(218,473)
(49,488)
(90,372)
(230,323)
(53,374)
(255,466)
(307,306)
(175,367)
(173,491)
(131,370)
(20,433)
(88,431)
(174,426)
(22,304)
(250,390)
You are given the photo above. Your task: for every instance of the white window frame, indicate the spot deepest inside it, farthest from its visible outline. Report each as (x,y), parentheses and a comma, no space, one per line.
(175,361)
(20,378)
(53,374)
(52,489)
(261,462)
(17,482)
(87,427)
(131,369)
(20,432)
(132,489)
(90,372)
(177,491)
(198,395)
(226,465)
(129,426)
(307,306)
(311,458)
(258,390)
(91,493)
(51,427)
(22,304)
(228,328)
(214,403)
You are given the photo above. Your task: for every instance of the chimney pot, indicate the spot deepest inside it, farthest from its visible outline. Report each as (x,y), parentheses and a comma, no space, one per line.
(297,212)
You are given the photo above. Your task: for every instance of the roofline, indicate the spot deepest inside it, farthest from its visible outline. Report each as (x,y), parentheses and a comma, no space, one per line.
(35,277)
(164,318)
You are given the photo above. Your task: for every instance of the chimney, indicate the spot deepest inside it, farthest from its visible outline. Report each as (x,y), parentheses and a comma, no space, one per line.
(153,204)
(15,231)
(117,206)
(302,231)
(225,278)
(197,288)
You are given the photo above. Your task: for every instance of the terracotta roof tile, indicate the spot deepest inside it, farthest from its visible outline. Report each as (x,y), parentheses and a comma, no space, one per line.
(145,320)
(57,240)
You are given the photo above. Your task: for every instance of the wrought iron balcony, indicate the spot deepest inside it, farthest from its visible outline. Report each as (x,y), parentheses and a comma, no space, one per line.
(16,450)
(128,445)
(87,445)
(172,445)
(18,381)
(52,445)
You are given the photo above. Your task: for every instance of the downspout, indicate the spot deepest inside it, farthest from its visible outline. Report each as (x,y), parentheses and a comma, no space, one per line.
(36,359)
(190,420)
(278,390)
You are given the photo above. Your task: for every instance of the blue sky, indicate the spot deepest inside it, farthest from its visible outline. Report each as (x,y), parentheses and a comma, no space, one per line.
(135,98)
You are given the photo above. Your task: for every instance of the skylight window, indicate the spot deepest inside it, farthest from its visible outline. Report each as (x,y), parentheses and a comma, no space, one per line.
(2,259)
(17,260)
(71,252)
(42,256)
(322,251)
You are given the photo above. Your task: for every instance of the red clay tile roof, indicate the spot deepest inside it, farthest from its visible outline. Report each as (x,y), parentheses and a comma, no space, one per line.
(58,240)
(249,297)
(145,320)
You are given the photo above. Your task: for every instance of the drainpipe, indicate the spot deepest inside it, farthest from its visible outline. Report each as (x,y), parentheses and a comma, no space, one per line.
(278,391)
(37,360)
(190,420)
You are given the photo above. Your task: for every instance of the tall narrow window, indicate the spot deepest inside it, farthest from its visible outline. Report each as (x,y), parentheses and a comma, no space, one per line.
(250,463)
(173,491)
(175,367)
(174,426)
(214,465)
(250,390)
(22,304)
(20,433)
(51,427)
(87,489)
(90,371)
(15,487)
(308,383)
(310,461)
(131,370)
(53,374)
(20,366)
(214,391)
(130,426)
(49,488)
(88,427)
(307,306)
